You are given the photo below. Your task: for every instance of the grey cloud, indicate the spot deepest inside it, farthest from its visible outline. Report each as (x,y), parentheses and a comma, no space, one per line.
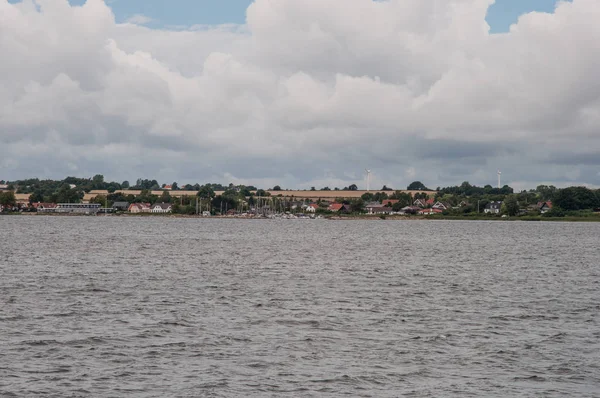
(306,93)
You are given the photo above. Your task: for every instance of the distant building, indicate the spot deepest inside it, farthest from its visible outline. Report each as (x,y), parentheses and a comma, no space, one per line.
(379,210)
(161,208)
(410,210)
(441,206)
(430,212)
(544,207)
(79,208)
(139,208)
(335,207)
(422,203)
(493,208)
(311,208)
(121,206)
(44,207)
(3,187)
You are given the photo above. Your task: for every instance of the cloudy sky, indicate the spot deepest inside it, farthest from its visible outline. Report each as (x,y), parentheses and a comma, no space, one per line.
(302,93)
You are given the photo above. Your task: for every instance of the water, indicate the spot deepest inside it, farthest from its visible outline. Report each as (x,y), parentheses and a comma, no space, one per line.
(157,307)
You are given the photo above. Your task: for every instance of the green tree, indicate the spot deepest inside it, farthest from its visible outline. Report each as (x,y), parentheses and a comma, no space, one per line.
(421,195)
(67,195)
(102,201)
(165,197)
(417,186)
(8,198)
(404,198)
(36,196)
(206,192)
(262,193)
(546,192)
(511,206)
(357,206)
(98,181)
(367,197)
(125,184)
(276,188)
(379,196)
(353,187)
(576,198)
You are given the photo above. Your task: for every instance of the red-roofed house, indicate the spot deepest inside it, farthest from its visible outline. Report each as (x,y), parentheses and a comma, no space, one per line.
(335,206)
(41,207)
(544,207)
(429,212)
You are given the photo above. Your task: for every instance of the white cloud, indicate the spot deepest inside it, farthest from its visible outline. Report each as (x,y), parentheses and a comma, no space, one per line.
(307,93)
(139,19)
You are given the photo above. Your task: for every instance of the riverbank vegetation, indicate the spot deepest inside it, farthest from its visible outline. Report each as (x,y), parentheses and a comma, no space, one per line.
(463,201)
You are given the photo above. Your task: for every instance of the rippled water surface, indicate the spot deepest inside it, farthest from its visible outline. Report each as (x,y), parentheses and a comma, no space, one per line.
(162,307)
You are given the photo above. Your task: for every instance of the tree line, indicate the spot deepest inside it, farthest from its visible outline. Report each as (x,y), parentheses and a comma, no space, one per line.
(464,198)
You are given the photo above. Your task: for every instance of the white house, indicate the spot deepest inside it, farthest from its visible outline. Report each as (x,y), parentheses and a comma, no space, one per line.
(493,208)
(311,208)
(161,208)
(441,206)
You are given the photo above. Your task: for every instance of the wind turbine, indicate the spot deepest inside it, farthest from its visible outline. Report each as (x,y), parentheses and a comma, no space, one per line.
(499,174)
(368,179)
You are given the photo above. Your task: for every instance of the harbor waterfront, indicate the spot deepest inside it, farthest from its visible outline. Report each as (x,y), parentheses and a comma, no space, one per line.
(162,306)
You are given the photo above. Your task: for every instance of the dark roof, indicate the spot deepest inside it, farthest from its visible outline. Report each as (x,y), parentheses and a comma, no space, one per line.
(121,204)
(494,205)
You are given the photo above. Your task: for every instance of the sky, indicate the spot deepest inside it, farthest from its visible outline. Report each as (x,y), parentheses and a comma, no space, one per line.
(302,94)
(183,14)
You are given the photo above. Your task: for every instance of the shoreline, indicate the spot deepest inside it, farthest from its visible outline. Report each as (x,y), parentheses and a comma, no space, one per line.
(595,218)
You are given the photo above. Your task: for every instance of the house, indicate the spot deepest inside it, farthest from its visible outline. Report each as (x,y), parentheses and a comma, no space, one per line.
(419,203)
(430,212)
(340,208)
(422,203)
(168,187)
(311,208)
(139,208)
(335,207)
(346,209)
(410,210)
(161,208)
(44,207)
(441,206)
(493,208)
(544,207)
(122,206)
(372,205)
(3,187)
(379,210)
